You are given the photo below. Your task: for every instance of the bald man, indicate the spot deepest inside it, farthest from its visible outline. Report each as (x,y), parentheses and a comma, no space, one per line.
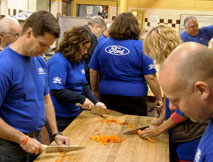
(10,30)
(195,34)
(186,78)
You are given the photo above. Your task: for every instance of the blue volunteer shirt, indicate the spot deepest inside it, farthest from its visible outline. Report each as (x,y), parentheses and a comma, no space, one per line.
(123,65)
(65,75)
(23,85)
(204,151)
(203,37)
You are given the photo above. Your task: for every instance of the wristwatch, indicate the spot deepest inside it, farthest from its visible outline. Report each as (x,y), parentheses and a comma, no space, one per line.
(58,133)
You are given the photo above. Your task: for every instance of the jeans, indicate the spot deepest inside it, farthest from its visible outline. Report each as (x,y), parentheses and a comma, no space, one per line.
(12,152)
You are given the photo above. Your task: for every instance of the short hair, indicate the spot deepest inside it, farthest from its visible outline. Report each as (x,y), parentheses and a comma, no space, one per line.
(73,42)
(42,22)
(6,22)
(186,20)
(160,41)
(125,26)
(97,20)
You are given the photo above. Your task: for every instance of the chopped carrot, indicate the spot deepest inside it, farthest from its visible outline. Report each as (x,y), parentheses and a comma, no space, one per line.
(60,157)
(111,121)
(104,139)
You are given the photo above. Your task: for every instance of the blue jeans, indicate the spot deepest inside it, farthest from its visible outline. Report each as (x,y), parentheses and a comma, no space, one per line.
(12,152)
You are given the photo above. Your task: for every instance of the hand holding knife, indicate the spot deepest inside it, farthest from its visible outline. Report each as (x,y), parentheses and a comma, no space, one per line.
(139,131)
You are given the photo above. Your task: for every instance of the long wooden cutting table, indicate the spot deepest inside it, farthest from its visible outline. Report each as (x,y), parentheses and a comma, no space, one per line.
(133,149)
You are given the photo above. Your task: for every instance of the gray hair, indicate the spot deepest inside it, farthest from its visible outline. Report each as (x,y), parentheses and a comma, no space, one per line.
(5,24)
(186,20)
(97,20)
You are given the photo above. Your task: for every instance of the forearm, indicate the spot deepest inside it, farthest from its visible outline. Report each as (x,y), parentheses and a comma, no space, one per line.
(167,125)
(152,81)
(66,95)
(9,133)
(50,115)
(94,77)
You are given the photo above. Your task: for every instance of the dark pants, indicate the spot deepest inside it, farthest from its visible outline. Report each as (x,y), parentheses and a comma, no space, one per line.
(12,152)
(132,105)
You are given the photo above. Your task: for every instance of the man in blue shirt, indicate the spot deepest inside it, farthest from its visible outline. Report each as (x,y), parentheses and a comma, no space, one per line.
(186,80)
(194,34)
(25,103)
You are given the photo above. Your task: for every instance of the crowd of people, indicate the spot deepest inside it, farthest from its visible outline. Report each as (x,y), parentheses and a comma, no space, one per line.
(110,67)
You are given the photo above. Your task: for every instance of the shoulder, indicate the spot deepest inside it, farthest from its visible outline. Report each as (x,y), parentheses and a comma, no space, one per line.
(57,58)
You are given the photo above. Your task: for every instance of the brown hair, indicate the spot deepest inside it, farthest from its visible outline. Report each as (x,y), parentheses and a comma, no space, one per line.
(125,26)
(73,43)
(42,22)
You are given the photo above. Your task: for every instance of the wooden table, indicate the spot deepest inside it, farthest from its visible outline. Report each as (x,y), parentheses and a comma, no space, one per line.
(133,149)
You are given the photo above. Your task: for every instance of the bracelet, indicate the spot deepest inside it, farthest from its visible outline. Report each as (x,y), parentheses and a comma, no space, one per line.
(58,133)
(25,141)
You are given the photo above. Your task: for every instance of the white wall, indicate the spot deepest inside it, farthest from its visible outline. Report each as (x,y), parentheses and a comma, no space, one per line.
(22,5)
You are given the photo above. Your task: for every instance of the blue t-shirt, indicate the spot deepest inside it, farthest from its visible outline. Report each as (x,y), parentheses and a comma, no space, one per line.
(203,37)
(102,37)
(205,148)
(123,65)
(65,75)
(23,85)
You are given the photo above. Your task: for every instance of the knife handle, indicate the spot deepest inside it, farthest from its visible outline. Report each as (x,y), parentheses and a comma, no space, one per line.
(148,139)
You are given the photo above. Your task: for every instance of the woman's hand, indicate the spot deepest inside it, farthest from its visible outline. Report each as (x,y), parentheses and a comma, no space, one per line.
(101,104)
(87,104)
(150,132)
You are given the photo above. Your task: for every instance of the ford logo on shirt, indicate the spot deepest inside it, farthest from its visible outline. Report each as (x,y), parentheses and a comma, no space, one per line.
(117,50)
(57,80)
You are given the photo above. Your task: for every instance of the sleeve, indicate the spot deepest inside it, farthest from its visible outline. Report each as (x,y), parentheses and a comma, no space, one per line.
(94,62)
(148,66)
(57,79)
(57,74)
(88,93)
(4,84)
(177,118)
(65,95)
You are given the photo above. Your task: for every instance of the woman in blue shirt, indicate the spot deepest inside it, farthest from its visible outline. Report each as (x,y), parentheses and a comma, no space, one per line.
(125,70)
(67,80)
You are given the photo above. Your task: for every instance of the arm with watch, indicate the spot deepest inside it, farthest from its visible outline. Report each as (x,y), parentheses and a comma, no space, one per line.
(51,123)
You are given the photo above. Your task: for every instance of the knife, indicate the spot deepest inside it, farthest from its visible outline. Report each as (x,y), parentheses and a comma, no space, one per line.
(61,148)
(138,131)
(100,111)
(131,132)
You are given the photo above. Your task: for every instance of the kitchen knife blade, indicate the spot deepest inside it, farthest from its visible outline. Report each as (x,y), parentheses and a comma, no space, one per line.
(100,111)
(131,132)
(62,148)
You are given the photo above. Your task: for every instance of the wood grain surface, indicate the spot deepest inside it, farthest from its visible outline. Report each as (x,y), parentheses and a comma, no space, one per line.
(133,149)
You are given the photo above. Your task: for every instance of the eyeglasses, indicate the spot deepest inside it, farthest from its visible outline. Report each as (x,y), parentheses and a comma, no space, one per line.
(16,35)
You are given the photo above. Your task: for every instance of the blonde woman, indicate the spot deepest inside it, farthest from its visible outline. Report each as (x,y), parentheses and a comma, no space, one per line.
(158,44)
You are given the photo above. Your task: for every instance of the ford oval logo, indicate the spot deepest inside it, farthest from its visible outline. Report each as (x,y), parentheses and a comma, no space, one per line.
(117,50)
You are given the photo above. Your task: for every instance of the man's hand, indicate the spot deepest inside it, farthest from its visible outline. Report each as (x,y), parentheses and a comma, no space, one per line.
(33,146)
(62,140)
